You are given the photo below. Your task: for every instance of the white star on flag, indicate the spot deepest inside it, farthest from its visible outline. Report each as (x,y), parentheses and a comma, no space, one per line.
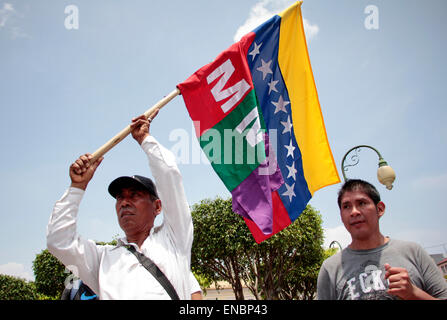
(280,105)
(290,148)
(255,51)
(287,125)
(292,171)
(272,85)
(290,193)
(265,68)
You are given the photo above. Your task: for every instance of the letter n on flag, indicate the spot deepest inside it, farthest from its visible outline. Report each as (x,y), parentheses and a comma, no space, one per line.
(257,116)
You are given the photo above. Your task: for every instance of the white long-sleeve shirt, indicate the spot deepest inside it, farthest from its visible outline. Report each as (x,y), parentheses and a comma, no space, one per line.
(113,272)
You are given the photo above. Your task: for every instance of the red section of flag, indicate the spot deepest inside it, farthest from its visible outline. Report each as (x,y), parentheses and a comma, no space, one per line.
(229,80)
(280,220)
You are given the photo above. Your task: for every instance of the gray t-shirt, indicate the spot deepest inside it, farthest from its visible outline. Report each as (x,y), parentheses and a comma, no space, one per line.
(360,274)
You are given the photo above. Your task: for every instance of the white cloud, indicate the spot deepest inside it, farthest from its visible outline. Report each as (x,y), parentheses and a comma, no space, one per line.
(311,30)
(264,10)
(17,270)
(7,16)
(5,13)
(339,234)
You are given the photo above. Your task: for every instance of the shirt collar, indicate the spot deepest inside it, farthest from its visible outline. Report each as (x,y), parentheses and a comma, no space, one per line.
(122,242)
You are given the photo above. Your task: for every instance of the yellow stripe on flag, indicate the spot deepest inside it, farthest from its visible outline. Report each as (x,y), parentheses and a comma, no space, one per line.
(308,125)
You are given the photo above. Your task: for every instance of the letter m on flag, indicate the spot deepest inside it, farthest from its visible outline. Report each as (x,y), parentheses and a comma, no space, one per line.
(237,91)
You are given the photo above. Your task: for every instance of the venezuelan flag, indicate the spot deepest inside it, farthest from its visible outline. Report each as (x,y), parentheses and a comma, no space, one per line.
(258,119)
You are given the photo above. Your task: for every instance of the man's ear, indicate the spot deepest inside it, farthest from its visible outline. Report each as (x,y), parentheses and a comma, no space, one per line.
(157,204)
(380,209)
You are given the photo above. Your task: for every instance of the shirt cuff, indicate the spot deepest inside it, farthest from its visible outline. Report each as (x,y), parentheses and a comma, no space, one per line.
(72,195)
(76,192)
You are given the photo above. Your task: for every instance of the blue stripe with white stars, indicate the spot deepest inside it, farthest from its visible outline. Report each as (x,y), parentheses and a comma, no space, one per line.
(274,101)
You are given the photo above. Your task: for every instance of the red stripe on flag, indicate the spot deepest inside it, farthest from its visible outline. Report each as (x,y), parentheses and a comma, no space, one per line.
(281,220)
(205,107)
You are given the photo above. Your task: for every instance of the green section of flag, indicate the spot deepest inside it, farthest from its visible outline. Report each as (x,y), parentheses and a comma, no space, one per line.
(235,146)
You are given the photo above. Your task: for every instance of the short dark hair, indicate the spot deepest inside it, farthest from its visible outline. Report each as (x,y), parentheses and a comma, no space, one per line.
(359,185)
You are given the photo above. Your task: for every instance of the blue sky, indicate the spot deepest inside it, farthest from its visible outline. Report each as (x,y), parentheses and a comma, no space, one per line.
(65,92)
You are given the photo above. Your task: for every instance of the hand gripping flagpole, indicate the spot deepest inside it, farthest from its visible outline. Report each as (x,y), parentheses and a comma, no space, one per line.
(125,132)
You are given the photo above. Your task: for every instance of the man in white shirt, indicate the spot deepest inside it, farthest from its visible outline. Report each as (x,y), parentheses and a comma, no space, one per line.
(113,272)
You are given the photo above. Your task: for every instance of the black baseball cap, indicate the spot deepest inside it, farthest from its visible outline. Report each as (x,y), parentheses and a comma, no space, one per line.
(139,182)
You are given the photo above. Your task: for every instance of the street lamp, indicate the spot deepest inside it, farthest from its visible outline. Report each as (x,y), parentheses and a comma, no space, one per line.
(335,242)
(385,174)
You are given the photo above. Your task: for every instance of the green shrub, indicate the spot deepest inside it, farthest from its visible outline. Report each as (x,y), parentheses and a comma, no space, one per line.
(50,275)
(12,288)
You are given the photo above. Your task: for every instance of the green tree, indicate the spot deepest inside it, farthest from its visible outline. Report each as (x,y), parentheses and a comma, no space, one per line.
(204,282)
(219,239)
(49,274)
(12,288)
(330,252)
(284,266)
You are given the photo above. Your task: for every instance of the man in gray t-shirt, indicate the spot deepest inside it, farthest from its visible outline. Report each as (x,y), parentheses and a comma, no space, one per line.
(375,267)
(360,274)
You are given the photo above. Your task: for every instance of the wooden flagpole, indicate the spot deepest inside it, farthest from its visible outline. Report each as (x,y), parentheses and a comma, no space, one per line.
(125,132)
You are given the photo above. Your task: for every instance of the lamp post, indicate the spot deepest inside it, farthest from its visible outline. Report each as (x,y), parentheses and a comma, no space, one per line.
(385,174)
(335,242)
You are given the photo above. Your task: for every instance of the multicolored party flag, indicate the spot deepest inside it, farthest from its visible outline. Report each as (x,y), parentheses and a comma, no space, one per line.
(258,120)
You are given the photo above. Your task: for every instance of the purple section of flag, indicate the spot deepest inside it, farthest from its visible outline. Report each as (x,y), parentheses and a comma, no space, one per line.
(252,199)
